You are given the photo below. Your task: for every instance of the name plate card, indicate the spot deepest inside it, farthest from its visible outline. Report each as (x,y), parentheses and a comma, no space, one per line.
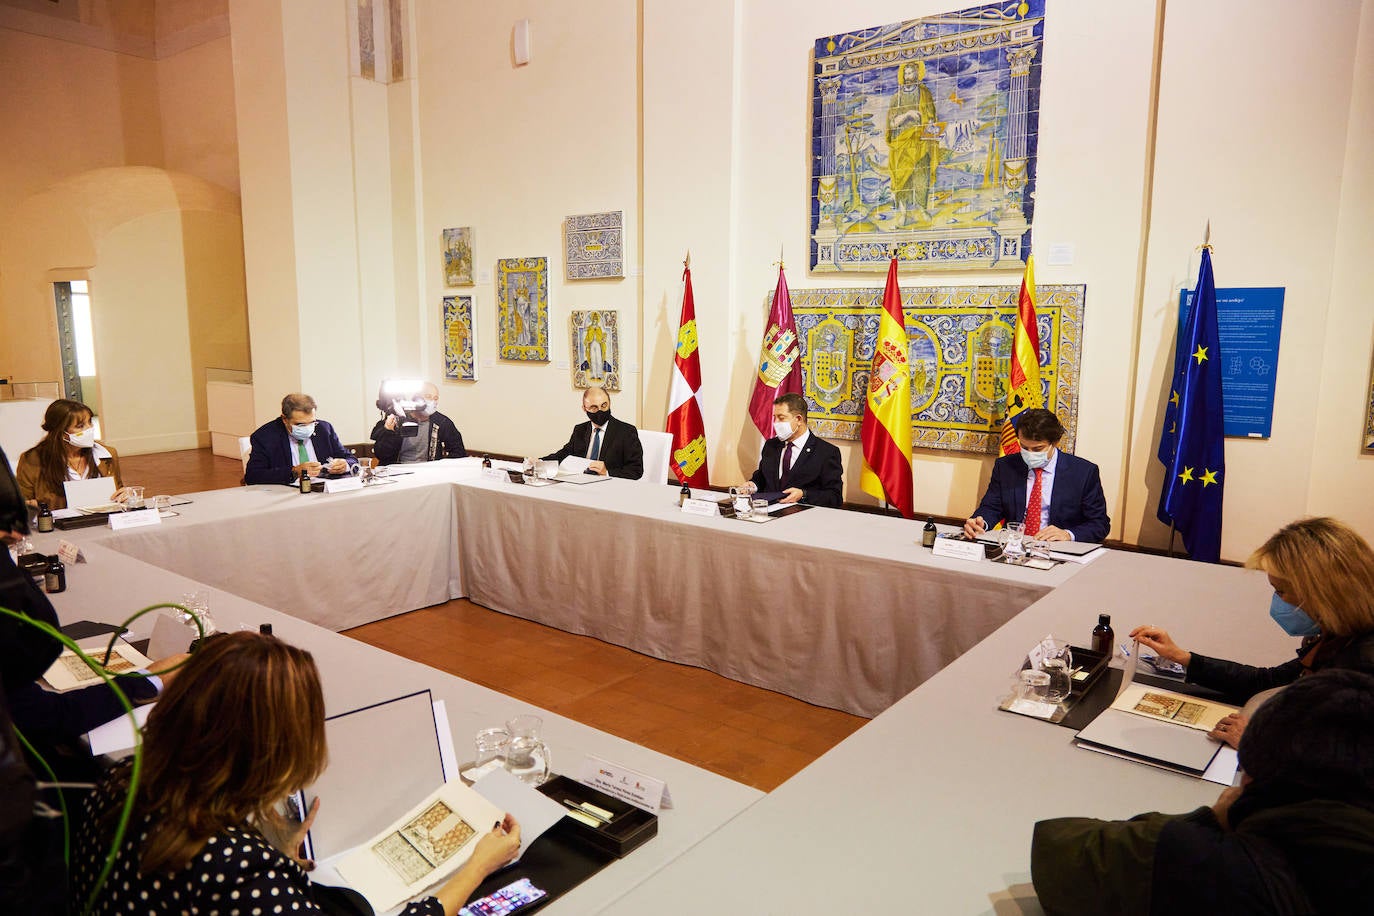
(495,474)
(958,550)
(136,518)
(69,553)
(700,507)
(342,484)
(625,784)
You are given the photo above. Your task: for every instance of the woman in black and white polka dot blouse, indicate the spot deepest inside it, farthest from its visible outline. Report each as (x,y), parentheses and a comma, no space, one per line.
(240,729)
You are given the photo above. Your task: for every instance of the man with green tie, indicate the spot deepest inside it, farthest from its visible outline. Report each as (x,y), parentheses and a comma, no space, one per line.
(296,443)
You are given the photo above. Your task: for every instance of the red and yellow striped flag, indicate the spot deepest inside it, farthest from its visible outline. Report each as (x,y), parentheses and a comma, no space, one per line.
(1023,387)
(886,428)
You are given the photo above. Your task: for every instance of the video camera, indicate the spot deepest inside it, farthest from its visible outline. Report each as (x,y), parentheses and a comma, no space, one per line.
(400,397)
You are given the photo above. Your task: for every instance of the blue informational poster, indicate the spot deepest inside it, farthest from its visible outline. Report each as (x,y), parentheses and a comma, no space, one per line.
(1248,321)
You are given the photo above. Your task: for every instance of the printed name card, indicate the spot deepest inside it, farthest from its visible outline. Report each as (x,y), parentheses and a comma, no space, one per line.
(700,507)
(69,553)
(495,474)
(958,550)
(342,484)
(136,518)
(625,784)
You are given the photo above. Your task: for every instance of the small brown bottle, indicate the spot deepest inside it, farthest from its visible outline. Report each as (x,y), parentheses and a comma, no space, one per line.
(928,533)
(1104,640)
(44,518)
(55,577)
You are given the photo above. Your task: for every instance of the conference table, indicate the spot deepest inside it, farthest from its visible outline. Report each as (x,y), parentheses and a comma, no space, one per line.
(841,609)
(927,808)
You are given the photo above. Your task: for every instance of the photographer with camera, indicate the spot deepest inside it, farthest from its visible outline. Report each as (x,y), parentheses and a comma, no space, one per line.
(411,428)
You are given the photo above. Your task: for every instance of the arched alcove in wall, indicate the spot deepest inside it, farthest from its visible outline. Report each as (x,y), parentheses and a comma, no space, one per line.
(163,254)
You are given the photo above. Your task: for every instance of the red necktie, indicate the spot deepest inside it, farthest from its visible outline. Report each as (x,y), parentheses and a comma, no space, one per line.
(786,462)
(1033,507)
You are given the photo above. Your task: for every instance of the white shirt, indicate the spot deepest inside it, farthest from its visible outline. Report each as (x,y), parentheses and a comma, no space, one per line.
(1046,489)
(797,445)
(98,454)
(296,452)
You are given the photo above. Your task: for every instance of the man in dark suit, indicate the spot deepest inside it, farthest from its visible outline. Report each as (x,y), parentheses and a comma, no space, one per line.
(611,445)
(1062,492)
(802,467)
(296,443)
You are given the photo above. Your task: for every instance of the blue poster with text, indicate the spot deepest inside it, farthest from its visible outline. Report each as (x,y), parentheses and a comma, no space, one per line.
(1248,321)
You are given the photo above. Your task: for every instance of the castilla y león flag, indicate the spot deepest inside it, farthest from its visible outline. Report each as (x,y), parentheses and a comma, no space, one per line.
(684,398)
(779,360)
(886,428)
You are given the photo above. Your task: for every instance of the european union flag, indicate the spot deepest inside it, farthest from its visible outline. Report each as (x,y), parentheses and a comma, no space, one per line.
(1192,446)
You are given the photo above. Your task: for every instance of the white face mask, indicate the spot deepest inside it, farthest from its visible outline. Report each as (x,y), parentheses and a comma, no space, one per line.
(1035,460)
(782,429)
(85,439)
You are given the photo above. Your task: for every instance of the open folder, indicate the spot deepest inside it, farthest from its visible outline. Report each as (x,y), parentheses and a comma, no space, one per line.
(1158,726)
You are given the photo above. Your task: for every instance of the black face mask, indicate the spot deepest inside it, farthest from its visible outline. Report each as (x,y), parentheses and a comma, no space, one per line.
(599,417)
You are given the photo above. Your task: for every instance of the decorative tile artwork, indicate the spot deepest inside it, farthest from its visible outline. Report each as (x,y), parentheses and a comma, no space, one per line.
(595,246)
(923,140)
(960,356)
(458,256)
(595,344)
(522,308)
(460,339)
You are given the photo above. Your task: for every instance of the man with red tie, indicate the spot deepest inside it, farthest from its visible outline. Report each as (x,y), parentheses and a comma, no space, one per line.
(1058,495)
(796,466)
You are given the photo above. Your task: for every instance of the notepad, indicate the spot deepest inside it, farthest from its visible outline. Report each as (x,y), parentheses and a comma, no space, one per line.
(92,491)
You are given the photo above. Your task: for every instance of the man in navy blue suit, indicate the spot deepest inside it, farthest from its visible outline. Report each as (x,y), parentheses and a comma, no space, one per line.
(795,466)
(294,443)
(1062,492)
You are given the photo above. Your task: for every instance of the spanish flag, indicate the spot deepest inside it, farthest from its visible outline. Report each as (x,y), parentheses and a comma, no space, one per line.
(684,398)
(886,428)
(1023,387)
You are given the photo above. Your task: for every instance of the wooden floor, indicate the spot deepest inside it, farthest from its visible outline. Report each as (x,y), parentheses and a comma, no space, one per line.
(746,733)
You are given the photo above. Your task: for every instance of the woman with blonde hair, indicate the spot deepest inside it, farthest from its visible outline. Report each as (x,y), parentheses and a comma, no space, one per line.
(69,451)
(1322,574)
(238,731)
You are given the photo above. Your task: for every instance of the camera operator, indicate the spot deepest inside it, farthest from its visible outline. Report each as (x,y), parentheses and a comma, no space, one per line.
(412,428)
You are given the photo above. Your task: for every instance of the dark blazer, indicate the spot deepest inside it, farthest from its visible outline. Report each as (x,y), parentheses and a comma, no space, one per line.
(817,472)
(1076,505)
(620,448)
(444,440)
(274,452)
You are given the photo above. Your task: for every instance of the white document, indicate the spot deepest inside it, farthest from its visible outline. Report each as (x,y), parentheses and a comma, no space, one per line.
(93,491)
(424,847)
(170,636)
(70,671)
(117,735)
(532,809)
(573,465)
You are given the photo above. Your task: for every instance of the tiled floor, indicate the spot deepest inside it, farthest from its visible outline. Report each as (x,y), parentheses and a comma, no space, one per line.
(746,733)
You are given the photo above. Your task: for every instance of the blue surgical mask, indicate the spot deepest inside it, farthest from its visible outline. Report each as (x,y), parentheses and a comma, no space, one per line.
(1035,459)
(302,431)
(1291,619)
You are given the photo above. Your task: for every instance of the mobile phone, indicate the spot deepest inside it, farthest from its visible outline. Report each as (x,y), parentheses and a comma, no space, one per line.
(509,899)
(296,810)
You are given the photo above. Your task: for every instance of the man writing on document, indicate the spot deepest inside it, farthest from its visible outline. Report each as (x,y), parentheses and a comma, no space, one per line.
(802,467)
(610,445)
(1058,495)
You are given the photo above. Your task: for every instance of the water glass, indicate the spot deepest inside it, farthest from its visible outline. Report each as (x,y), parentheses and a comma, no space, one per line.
(135,498)
(1034,685)
(1058,664)
(525,756)
(760,507)
(491,743)
(162,503)
(1013,543)
(739,498)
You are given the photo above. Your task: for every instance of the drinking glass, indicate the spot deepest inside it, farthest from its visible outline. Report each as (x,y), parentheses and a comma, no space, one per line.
(135,498)
(525,756)
(528,470)
(491,743)
(1034,685)
(162,503)
(739,498)
(759,506)
(1013,544)
(1058,664)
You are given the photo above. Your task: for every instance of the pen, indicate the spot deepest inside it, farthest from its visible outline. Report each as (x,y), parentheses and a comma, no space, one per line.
(579,809)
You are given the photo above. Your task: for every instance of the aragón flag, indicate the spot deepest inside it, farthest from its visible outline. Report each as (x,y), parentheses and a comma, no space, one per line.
(886,428)
(1023,381)
(1191,444)
(779,370)
(684,397)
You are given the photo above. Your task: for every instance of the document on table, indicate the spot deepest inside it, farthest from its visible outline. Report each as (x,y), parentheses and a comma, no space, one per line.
(93,491)
(1143,700)
(573,465)
(69,671)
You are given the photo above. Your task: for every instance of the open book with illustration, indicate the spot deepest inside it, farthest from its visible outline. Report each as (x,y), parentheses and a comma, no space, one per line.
(425,846)
(1172,707)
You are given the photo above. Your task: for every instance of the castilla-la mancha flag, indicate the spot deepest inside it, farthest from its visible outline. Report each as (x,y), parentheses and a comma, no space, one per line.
(1023,384)
(886,428)
(684,398)
(779,360)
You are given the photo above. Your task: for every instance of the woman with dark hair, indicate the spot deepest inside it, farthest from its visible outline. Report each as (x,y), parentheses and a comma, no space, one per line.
(238,731)
(69,451)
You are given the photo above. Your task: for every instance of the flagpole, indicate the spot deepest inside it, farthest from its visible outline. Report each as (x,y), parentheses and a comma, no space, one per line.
(1172,529)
